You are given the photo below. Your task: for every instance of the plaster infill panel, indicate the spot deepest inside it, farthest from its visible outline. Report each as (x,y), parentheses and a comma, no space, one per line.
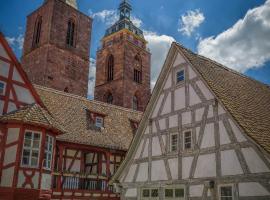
(239,136)
(179,98)
(224,136)
(7,177)
(206,166)
(156,149)
(157,106)
(131,173)
(142,173)
(194,98)
(230,164)
(250,189)
(12,135)
(10,155)
(16,76)
(173,121)
(208,136)
(4,69)
(131,192)
(254,162)
(179,60)
(196,190)
(3,52)
(158,171)
(173,164)
(186,166)
(167,105)
(168,83)
(24,94)
(206,92)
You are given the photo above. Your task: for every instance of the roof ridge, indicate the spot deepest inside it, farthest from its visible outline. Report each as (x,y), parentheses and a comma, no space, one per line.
(222,66)
(85,99)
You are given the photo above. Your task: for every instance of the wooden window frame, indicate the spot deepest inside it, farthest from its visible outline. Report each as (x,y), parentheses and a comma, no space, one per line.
(184,140)
(150,193)
(48,153)
(97,117)
(174,188)
(176,76)
(226,185)
(171,140)
(31,149)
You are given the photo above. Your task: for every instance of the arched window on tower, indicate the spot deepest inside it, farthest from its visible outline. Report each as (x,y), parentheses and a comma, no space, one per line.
(137,75)
(109,98)
(70,40)
(110,68)
(37,32)
(135,103)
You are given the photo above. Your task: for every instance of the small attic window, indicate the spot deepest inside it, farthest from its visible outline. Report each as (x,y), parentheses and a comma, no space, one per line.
(99,122)
(2,88)
(180,76)
(95,121)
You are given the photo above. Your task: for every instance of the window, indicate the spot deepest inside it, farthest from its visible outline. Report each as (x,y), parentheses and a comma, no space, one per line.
(99,122)
(110,98)
(70,33)
(226,192)
(174,142)
(37,32)
(137,75)
(48,152)
(187,140)
(180,76)
(175,193)
(110,68)
(115,161)
(135,103)
(31,148)
(2,88)
(150,194)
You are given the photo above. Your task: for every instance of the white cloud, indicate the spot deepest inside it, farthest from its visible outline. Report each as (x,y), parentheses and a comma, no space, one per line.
(159,46)
(189,21)
(16,42)
(245,45)
(91,78)
(109,17)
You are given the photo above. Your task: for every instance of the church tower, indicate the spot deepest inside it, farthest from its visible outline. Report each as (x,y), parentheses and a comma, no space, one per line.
(123,64)
(57,47)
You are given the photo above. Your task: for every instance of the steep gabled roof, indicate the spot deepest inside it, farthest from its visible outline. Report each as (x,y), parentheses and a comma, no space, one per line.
(35,115)
(247,100)
(73,112)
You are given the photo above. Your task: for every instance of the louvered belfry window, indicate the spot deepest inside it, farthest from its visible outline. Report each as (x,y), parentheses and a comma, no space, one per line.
(110,68)
(137,74)
(70,33)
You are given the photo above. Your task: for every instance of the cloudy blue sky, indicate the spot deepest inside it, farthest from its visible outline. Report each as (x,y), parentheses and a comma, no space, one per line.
(233,32)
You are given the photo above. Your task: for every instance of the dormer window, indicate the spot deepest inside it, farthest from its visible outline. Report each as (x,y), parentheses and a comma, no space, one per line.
(2,88)
(99,122)
(95,121)
(180,76)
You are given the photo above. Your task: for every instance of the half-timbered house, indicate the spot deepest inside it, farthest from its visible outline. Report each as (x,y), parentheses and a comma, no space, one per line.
(205,134)
(56,145)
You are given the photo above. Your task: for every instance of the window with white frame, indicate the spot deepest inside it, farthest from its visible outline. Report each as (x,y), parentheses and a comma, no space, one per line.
(226,192)
(31,148)
(180,76)
(48,152)
(174,142)
(2,88)
(187,140)
(173,193)
(99,122)
(150,194)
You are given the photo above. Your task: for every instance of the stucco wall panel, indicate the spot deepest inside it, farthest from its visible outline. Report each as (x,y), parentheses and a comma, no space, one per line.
(196,190)
(229,159)
(7,177)
(206,166)
(194,98)
(12,135)
(208,136)
(186,166)
(167,105)
(142,173)
(131,173)
(10,155)
(252,189)
(179,60)
(156,150)
(158,171)
(179,98)
(4,68)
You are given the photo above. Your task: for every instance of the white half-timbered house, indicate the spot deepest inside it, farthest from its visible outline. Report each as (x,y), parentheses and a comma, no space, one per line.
(204,135)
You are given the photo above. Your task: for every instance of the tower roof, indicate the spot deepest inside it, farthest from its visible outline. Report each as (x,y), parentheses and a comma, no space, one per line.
(124,21)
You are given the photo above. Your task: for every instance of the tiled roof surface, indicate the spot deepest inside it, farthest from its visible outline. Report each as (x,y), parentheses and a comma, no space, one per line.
(35,115)
(72,111)
(247,100)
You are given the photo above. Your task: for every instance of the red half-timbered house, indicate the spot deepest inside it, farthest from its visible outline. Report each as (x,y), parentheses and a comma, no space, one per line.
(56,145)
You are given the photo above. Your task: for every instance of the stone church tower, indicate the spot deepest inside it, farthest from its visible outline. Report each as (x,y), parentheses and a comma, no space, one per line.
(57,46)
(123,64)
